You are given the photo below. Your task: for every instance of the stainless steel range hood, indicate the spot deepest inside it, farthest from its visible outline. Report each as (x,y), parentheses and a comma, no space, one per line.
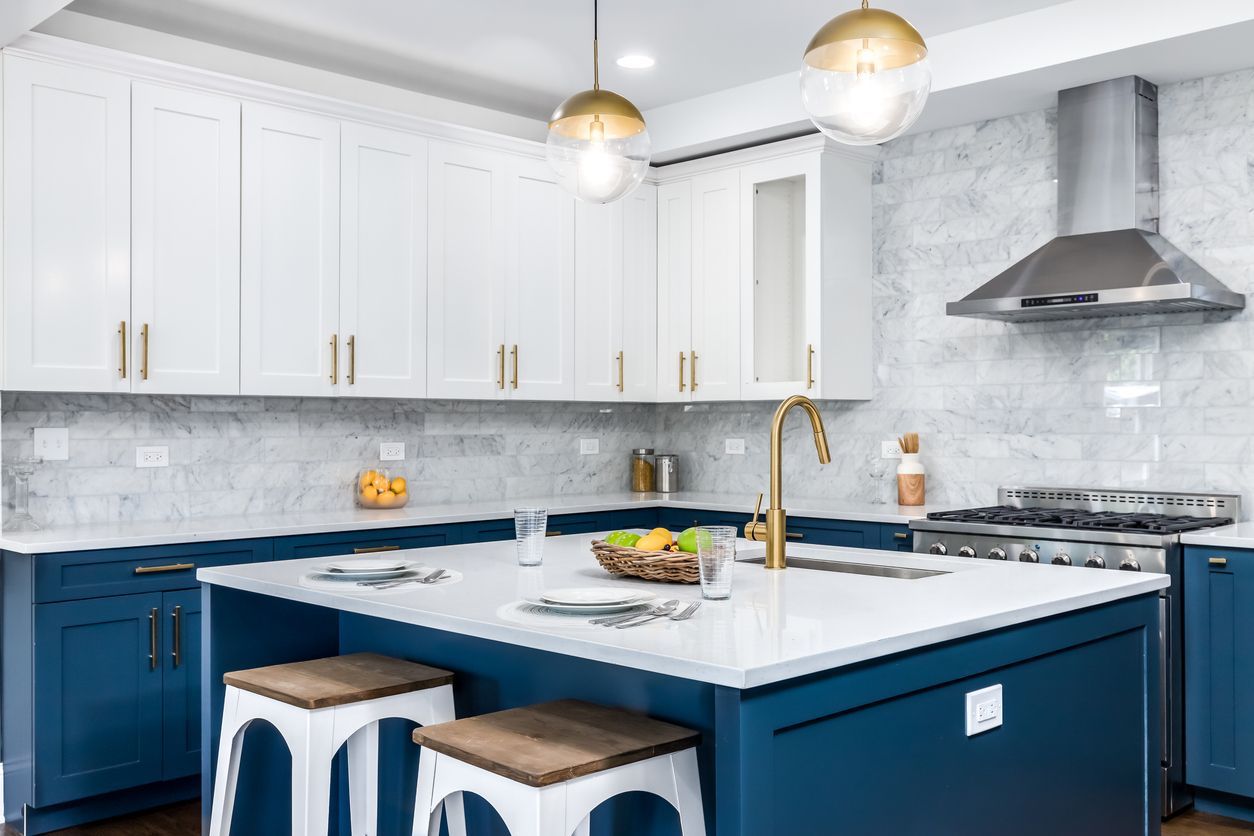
(1108,258)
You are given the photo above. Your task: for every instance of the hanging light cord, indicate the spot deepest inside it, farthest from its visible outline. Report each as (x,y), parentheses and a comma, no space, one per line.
(596,49)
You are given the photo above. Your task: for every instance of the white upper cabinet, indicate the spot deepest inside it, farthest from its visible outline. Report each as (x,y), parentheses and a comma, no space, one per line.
(674,291)
(67,220)
(616,298)
(290,253)
(715,360)
(383,262)
(540,283)
(466,352)
(185,242)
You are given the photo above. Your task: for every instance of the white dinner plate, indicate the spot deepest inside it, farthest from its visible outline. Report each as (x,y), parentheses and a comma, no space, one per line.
(591,609)
(365,565)
(323,571)
(592,595)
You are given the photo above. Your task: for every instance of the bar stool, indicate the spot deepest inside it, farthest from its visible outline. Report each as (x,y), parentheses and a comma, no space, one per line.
(318,706)
(544,768)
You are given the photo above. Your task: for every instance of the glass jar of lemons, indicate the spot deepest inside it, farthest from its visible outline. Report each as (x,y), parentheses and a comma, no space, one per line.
(381,489)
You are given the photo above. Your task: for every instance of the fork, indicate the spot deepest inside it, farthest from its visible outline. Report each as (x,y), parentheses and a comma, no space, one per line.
(686,613)
(437,575)
(664,608)
(645,618)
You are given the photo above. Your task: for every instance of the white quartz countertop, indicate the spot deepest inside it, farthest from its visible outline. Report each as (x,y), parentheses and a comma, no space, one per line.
(776,626)
(1237,536)
(123,535)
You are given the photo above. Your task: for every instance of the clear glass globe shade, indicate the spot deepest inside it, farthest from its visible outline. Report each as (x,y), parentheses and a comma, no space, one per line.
(599,171)
(865,108)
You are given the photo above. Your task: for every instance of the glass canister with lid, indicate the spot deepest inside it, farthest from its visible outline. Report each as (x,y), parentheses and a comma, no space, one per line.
(642,470)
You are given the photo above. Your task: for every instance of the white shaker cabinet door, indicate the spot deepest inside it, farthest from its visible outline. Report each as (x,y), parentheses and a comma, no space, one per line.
(67,223)
(466,352)
(185,239)
(674,291)
(290,253)
(598,301)
(716,286)
(640,320)
(383,266)
(540,283)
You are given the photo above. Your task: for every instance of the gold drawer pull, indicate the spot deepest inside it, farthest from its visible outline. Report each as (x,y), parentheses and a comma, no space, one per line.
(793,535)
(169,567)
(514,354)
(122,336)
(552,534)
(352,359)
(500,374)
(901,535)
(335,358)
(682,358)
(143,368)
(373,549)
(1218,562)
(620,371)
(810,367)
(693,361)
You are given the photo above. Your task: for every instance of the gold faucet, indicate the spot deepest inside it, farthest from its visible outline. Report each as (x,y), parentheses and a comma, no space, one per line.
(775,530)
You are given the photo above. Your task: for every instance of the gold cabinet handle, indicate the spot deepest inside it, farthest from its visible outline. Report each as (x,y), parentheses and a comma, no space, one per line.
(152,639)
(793,535)
(177,618)
(809,366)
(335,358)
(500,359)
(693,361)
(620,371)
(122,338)
(143,359)
(901,535)
(513,353)
(1218,562)
(352,359)
(552,534)
(169,567)
(373,549)
(682,358)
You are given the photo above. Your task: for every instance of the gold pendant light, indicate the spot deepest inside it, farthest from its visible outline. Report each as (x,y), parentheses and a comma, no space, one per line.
(866,76)
(598,144)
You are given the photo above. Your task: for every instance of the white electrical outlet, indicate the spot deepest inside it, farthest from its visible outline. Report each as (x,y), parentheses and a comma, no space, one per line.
(52,444)
(152,456)
(392,451)
(984,710)
(589,446)
(890,449)
(734,447)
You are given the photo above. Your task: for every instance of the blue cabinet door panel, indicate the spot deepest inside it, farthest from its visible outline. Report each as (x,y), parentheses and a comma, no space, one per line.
(362,542)
(97,697)
(560,524)
(181,683)
(487,531)
(896,538)
(94,574)
(834,533)
(1219,669)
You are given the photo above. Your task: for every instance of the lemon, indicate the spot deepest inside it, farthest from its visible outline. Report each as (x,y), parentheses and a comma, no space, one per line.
(654,542)
(386,498)
(398,485)
(369,494)
(380,482)
(664,532)
(367,478)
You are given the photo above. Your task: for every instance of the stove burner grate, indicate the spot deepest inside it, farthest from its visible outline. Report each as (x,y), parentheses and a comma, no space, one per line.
(1068,518)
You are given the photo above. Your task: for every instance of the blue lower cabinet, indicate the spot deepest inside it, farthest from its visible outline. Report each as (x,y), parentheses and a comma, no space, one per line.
(180,655)
(816,532)
(487,531)
(367,542)
(98,696)
(1219,674)
(677,519)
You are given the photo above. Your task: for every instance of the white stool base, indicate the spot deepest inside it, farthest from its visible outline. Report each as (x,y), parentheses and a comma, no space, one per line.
(313,737)
(561,809)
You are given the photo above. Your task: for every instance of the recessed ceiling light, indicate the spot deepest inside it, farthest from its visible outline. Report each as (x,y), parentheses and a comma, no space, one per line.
(635,62)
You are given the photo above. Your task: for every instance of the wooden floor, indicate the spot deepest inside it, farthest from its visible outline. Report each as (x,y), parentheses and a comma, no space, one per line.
(184,820)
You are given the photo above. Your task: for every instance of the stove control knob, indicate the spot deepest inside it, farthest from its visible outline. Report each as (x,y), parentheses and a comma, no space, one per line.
(966,551)
(997,553)
(1095,561)
(1029,556)
(1061,559)
(1129,564)
(938,548)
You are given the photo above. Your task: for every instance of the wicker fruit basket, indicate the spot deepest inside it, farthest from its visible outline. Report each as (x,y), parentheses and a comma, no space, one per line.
(668,567)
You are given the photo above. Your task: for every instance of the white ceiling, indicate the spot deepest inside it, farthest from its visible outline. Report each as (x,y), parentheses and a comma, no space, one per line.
(524,56)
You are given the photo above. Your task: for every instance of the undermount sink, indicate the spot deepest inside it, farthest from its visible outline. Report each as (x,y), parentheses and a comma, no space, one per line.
(874,569)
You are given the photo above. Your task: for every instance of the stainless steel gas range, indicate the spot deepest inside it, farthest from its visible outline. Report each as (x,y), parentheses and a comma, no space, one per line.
(1136,531)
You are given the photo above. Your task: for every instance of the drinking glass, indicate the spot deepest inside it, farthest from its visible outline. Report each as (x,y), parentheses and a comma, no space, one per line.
(716,556)
(529,530)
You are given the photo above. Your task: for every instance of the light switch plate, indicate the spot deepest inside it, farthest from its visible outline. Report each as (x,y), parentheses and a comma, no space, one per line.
(734,447)
(392,451)
(589,446)
(152,456)
(52,444)
(984,709)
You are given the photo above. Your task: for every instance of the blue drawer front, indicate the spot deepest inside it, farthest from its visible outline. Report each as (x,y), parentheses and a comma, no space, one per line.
(96,574)
(896,538)
(366,542)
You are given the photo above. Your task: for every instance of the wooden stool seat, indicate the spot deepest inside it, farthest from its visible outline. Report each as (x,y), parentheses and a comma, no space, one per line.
(549,743)
(338,680)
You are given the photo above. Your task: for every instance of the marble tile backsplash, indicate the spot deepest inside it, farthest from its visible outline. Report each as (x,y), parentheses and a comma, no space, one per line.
(1160,401)
(248,455)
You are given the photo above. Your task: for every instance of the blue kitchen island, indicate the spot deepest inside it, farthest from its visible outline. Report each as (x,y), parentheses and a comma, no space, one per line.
(828,702)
